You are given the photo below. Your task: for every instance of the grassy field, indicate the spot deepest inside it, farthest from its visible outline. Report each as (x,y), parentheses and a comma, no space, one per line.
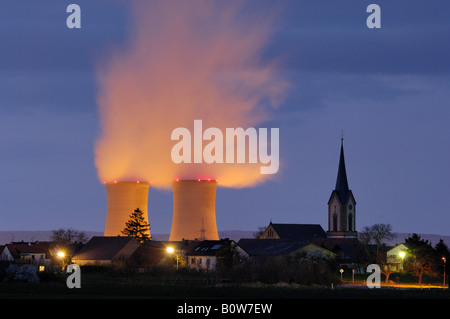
(103,285)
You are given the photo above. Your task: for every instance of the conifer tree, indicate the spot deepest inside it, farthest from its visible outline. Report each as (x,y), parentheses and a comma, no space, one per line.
(137,227)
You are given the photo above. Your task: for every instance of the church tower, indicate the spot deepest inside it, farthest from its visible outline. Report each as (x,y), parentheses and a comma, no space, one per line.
(342,205)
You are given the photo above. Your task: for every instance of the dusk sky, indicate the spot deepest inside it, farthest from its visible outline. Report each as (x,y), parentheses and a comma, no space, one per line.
(387,89)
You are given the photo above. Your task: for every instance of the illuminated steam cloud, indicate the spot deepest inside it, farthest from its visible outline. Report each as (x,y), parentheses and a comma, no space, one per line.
(184,60)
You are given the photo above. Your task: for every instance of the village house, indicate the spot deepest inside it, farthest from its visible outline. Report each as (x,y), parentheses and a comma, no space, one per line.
(395,256)
(5,254)
(35,253)
(100,250)
(205,254)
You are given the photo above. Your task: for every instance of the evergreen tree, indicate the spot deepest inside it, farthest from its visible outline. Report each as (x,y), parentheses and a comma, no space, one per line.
(421,257)
(137,227)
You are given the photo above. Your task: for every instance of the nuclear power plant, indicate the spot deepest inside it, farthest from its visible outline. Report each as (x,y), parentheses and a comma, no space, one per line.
(194,210)
(122,199)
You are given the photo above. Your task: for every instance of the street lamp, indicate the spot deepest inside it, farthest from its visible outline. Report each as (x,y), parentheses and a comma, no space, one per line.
(402,255)
(170,250)
(444,259)
(61,255)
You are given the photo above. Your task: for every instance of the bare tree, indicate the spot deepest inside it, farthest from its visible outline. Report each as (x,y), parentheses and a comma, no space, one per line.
(68,236)
(66,241)
(376,233)
(385,262)
(260,231)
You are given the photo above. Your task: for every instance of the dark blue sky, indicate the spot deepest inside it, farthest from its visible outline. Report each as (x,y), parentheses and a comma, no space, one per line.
(387,88)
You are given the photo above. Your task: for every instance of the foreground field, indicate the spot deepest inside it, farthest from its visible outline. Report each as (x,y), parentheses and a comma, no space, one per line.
(174,288)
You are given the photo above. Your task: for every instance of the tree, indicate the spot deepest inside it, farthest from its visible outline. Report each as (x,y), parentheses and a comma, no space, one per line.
(68,236)
(260,231)
(376,233)
(137,227)
(385,262)
(67,241)
(421,256)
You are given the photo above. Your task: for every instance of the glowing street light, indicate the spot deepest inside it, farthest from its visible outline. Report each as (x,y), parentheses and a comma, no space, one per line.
(61,255)
(402,255)
(170,250)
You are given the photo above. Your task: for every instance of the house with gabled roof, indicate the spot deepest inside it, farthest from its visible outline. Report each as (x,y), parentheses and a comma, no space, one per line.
(293,232)
(103,250)
(150,254)
(395,255)
(5,254)
(38,253)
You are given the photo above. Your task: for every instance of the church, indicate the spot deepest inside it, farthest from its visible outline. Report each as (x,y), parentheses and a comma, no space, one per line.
(340,239)
(341,215)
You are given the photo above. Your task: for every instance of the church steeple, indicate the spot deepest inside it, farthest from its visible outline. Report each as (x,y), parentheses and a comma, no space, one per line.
(341,181)
(342,205)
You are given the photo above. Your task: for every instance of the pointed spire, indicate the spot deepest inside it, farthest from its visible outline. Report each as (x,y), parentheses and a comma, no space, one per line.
(341,181)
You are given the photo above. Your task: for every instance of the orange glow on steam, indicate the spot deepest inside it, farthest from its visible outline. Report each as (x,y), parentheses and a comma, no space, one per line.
(184,60)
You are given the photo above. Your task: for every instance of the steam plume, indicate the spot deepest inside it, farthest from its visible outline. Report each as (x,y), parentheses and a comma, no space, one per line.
(184,60)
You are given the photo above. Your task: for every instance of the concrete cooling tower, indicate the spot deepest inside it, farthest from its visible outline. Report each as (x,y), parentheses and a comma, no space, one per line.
(122,199)
(194,210)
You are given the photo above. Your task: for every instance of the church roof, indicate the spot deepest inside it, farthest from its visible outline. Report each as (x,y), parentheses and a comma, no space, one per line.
(269,247)
(341,181)
(299,232)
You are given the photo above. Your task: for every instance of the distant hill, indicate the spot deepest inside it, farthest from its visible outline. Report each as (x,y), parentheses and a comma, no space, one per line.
(44,235)
(30,235)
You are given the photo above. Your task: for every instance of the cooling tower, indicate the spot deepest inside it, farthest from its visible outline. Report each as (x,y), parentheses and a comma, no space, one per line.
(122,199)
(194,210)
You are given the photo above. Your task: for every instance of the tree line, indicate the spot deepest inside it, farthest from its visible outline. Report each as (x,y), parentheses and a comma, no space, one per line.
(420,256)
